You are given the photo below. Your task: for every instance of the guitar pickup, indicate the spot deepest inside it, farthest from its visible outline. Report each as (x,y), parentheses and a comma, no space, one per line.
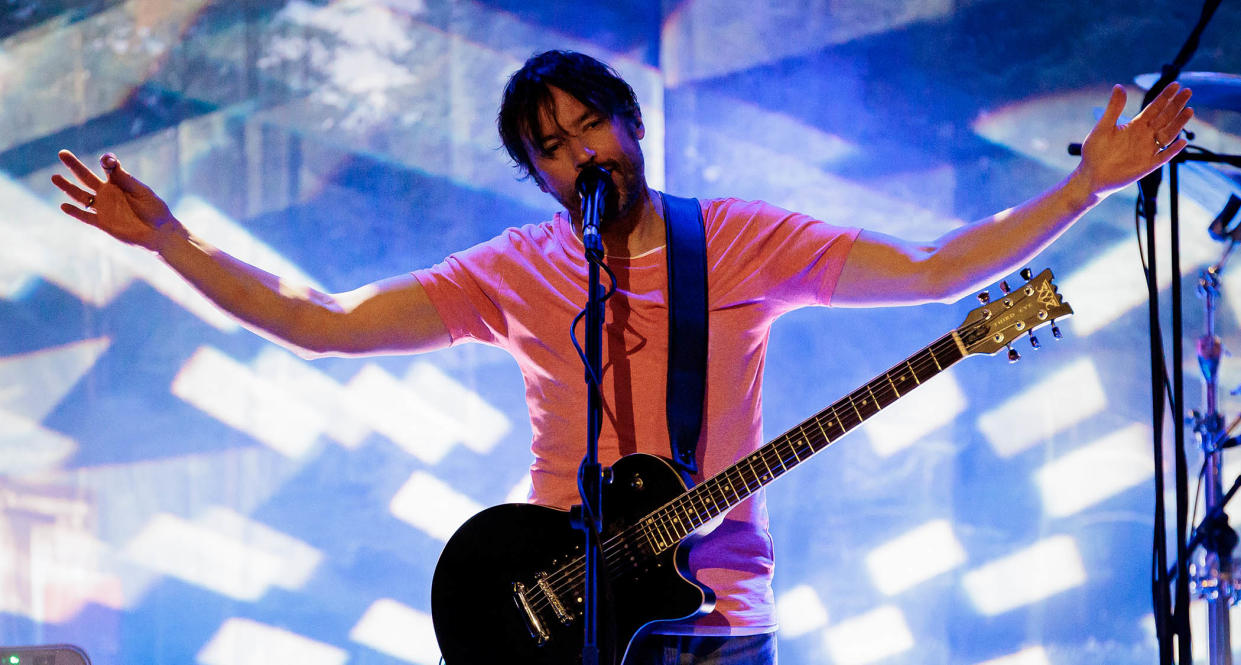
(557,607)
(537,631)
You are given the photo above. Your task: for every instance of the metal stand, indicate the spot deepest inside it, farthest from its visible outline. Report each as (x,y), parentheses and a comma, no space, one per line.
(1214,581)
(592,186)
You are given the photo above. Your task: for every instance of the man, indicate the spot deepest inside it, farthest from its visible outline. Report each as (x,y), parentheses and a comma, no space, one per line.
(520,291)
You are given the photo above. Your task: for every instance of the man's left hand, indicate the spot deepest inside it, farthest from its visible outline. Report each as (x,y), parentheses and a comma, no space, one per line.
(1113,156)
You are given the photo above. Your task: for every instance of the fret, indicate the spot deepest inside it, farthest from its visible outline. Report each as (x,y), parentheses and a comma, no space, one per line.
(779,460)
(897,392)
(664,535)
(649,532)
(793,449)
(883,391)
(669,525)
(691,513)
(832,424)
(763,477)
(704,497)
(676,522)
(912,373)
(926,365)
(855,409)
(754,476)
(818,422)
(711,488)
(874,398)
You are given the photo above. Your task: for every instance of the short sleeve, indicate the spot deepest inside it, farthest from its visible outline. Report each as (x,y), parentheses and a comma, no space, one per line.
(760,251)
(461,290)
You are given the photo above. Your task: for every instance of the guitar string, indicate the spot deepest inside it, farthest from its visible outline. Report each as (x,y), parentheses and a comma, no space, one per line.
(569,575)
(574,569)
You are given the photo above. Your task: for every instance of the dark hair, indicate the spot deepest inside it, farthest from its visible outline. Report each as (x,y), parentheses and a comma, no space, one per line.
(526,96)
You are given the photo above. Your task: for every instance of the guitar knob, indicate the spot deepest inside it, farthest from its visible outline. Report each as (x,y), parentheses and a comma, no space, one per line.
(1013,356)
(1027,274)
(1034,343)
(1004,286)
(984,297)
(1055,331)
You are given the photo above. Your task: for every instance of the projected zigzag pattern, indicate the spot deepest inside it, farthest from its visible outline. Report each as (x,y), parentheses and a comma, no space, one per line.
(354,140)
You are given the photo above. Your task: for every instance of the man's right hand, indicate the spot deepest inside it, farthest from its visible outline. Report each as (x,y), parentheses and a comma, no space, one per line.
(390,316)
(122,206)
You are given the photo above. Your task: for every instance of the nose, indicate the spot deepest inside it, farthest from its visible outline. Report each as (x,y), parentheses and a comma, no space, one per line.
(583,153)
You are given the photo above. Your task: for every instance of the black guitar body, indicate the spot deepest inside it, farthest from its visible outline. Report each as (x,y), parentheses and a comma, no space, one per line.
(478,617)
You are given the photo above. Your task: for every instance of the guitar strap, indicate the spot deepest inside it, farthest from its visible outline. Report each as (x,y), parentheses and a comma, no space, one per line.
(687,327)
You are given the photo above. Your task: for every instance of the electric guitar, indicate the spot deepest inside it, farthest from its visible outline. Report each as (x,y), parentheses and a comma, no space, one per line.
(509,583)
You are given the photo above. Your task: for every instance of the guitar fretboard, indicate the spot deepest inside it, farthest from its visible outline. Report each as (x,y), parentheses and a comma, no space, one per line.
(674,521)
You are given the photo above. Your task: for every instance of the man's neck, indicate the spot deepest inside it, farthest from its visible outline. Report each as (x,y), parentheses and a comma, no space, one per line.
(635,233)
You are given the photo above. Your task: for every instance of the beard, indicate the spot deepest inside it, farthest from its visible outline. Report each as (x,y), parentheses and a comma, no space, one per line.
(628,186)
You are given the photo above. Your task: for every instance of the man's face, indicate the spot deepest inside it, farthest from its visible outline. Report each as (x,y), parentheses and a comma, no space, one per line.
(571,136)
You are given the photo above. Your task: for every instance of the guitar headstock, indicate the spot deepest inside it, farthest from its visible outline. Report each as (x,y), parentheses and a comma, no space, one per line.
(998,323)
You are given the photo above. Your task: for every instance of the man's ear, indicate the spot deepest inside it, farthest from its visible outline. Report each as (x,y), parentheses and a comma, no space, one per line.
(639,130)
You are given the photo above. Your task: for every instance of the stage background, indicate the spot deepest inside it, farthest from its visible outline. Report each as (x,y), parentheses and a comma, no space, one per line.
(177,490)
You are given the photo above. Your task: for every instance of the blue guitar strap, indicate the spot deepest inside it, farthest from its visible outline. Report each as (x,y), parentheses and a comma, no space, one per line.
(687,327)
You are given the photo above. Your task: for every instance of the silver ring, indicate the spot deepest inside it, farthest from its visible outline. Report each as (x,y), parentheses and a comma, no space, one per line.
(90,203)
(1162,146)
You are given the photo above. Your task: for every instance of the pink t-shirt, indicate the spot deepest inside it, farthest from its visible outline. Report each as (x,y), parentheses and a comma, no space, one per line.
(521,290)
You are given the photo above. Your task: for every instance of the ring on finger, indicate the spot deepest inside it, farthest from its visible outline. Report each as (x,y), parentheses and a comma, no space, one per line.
(90,203)
(1161,145)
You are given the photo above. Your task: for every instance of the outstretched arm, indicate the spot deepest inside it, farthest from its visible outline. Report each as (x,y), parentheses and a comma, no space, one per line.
(883,270)
(392,315)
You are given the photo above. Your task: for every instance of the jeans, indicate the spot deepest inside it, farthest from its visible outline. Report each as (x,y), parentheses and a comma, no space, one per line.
(703,650)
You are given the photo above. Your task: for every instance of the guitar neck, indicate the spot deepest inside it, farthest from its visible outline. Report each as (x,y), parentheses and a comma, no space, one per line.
(674,521)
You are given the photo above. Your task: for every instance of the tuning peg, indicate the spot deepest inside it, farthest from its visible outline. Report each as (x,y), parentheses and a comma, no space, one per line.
(984,297)
(1034,343)
(1027,274)
(1013,356)
(1004,286)
(1055,330)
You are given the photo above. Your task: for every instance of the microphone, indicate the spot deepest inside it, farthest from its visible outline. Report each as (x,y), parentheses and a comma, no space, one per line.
(593,184)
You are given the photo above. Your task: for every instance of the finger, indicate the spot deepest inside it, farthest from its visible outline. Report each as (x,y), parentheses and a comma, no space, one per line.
(80,214)
(71,190)
(1172,108)
(1182,119)
(1166,155)
(1115,104)
(1160,103)
(118,176)
(79,170)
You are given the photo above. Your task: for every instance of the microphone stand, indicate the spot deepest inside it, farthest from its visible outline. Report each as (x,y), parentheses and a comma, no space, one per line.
(1171,613)
(1215,581)
(592,186)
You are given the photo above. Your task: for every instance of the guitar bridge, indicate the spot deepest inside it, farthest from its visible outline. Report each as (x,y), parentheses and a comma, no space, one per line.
(557,606)
(537,631)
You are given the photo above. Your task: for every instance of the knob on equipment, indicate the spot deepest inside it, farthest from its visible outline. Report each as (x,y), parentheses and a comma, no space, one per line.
(1027,274)
(1013,356)
(1055,330)
(1034,343)
(1004,286)
(984,297)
